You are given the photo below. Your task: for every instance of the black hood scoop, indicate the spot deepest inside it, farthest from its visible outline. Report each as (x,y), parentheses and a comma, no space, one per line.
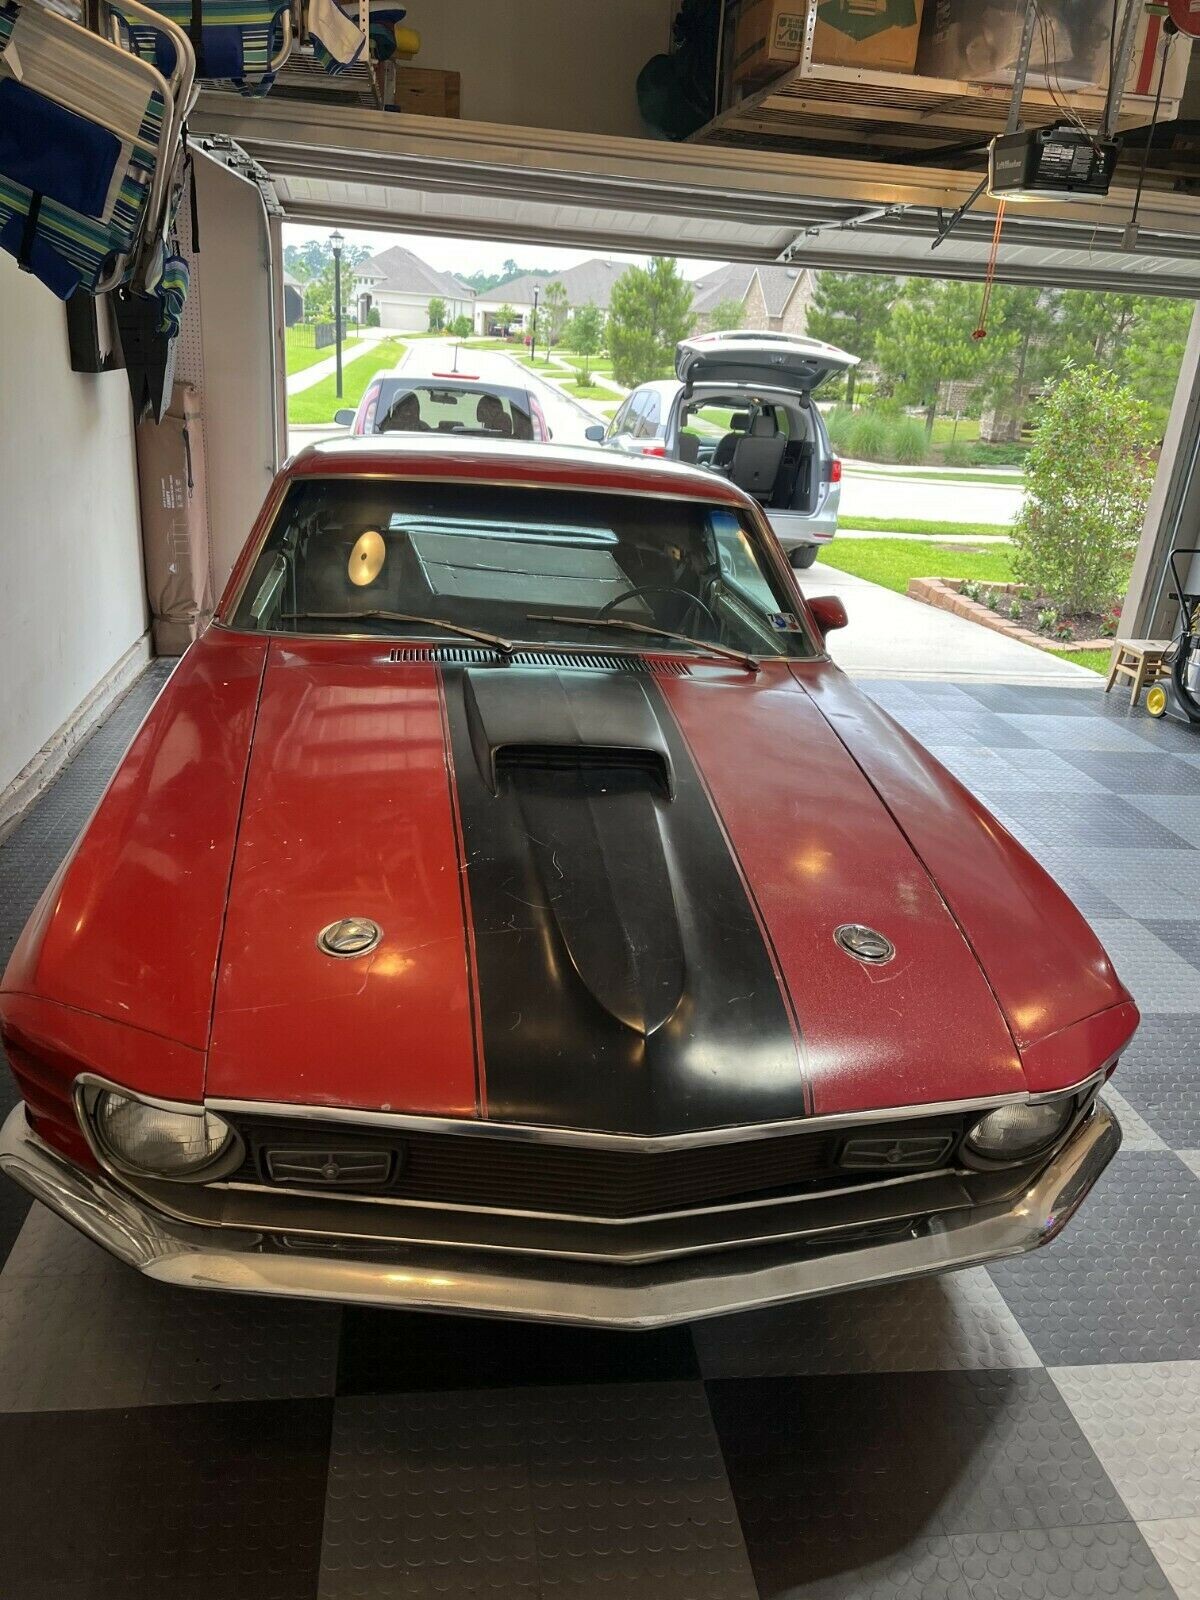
(623,979)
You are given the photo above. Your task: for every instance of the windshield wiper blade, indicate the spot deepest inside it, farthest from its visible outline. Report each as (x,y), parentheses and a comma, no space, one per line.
(506,646)
(742,659)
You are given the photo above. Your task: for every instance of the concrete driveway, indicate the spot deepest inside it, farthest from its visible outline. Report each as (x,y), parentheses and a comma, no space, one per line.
(567,419)
(891,636)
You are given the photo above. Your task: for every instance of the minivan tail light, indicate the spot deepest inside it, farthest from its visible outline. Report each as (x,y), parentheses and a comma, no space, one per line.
(653,449)
(835,469)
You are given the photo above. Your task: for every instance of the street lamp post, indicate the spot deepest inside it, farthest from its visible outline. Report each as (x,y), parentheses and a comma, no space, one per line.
(337,242)
(533,326)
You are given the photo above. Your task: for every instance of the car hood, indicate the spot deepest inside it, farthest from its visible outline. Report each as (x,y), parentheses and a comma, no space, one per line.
(607,897)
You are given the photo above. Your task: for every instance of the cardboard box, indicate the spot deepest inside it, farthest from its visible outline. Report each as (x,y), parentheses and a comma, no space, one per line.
(175,543)
(421,91)
(878,34)
(980,44)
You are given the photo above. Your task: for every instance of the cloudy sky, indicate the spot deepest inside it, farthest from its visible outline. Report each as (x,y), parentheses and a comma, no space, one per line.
(473,255)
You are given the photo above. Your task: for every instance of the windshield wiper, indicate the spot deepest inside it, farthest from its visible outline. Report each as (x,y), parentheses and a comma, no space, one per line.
(742,659)
(506,646)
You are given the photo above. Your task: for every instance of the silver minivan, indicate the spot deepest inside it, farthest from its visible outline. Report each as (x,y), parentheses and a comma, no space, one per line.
(741,404)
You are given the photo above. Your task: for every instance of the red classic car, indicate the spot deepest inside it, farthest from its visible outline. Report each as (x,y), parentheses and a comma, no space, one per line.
(508,907)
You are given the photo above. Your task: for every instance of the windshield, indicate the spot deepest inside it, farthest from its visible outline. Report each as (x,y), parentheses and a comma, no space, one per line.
(453,408)
(531,565)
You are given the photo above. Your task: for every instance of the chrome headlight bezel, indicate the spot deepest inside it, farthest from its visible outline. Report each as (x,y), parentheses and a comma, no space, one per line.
(1057,1114)
(93,1094)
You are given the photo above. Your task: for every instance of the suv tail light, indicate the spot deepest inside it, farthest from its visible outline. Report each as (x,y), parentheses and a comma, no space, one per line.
(835,469)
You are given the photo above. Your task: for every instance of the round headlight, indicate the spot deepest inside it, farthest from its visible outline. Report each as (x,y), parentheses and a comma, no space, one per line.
(1010,1132)
(158,1142)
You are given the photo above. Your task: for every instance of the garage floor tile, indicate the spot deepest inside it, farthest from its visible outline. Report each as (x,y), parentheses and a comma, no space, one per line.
(1176,1546)
(538,1491)
(1114,1560)
(1152,772)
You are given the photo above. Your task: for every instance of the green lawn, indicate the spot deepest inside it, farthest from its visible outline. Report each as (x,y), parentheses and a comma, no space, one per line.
(319,403)
(511,345)
(892,562)
(587,391)
(1093,660)
(601,364)
(927,530)
(1010,480)
(301,352)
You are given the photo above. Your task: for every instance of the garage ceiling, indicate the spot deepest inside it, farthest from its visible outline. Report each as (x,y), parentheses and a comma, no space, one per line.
(354,167)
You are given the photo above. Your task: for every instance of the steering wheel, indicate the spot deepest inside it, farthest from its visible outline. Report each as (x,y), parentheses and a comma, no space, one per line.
(694,601)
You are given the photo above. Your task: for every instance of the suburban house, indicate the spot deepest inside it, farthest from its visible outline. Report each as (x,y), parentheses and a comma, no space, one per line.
(590,283)
(293,301)
(399,285)
(774,299)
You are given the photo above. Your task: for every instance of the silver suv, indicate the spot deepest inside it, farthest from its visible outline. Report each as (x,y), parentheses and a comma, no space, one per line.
(741,404)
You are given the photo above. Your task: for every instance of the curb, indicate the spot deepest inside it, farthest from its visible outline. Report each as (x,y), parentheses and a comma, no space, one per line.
(943,594)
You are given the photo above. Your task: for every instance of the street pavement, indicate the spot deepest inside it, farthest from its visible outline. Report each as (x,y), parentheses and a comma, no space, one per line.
(926,499)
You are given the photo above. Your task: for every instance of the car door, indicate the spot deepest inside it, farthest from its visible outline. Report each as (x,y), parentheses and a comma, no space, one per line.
(622,430)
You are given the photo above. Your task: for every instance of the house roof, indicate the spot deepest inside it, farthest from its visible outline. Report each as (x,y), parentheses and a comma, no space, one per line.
(589,283)
(292,283)
(399,271)
(733,282)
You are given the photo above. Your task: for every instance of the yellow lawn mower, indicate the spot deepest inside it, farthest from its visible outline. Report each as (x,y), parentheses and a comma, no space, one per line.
(1177,694)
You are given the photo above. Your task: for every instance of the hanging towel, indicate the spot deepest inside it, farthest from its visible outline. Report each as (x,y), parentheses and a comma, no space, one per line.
(337,43)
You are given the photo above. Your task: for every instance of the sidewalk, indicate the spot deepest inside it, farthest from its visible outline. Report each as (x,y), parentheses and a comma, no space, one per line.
(368,338)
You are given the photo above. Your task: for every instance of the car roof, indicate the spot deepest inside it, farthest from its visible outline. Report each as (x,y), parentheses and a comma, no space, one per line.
(424,455)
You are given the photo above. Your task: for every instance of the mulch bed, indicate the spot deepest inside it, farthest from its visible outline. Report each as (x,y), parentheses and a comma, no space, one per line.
(945,593)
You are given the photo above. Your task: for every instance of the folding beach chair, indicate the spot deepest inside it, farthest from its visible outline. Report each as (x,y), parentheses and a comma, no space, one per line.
(242,43)
(89,135)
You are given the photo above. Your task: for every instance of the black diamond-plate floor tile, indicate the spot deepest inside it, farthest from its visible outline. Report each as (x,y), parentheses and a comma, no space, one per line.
(588,1491)
(1055,731)
(1112,1560)
(191,1502)
(1159,1075)
(1133,773)
(1030,700)
(1122,1283)
(837,1473)
(387,1352)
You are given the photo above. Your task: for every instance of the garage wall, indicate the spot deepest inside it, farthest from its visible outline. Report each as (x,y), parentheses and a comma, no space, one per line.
(72,599)
(547,63)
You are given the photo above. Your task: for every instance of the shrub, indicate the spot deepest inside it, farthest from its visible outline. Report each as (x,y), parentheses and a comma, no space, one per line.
(957,453)
(992,600)
(1014,611)
(867,437)
(1087,484)
(373,317)
(1064,632)
(1110,622)
(970,589)
(909,442)
(838,423)
(1046,618)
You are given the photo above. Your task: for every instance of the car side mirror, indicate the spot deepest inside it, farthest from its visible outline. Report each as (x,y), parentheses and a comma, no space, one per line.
(828,613)
(595,433)
(344,418)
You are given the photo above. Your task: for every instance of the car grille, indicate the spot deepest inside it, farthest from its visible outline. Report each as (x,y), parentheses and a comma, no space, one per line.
(566,1179)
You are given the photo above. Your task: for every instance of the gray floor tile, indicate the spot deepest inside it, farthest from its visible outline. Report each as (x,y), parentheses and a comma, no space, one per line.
(1158,979)
(1122,1282)
(1148,772)
(1143,1422)
(1159,1076)
(1191,1159)
(1113,1560)
(1179,812)
(1058,732)
(1136,1132)
(958,1320)
(79,1330)
(1032,700)
(1176,1546)
(1182,937)
(618,1490)
(1094,821)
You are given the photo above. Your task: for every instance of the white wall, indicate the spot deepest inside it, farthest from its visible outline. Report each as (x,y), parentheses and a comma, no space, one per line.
(547,63)
(72,599)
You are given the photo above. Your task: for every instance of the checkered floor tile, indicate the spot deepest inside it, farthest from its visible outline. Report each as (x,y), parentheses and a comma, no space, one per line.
(1029,1431)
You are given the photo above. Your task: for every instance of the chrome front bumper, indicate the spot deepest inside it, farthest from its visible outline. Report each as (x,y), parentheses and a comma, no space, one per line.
(543,1287)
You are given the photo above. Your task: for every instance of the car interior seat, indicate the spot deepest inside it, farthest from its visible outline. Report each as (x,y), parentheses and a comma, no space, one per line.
(491,415)
(757,457)
(405,416)
(722,458)
(689,447)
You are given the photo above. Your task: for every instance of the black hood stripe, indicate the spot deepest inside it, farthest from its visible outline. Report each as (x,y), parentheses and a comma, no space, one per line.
(625,980)
(464,891)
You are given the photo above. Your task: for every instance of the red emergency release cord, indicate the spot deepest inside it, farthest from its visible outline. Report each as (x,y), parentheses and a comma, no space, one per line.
(989,279)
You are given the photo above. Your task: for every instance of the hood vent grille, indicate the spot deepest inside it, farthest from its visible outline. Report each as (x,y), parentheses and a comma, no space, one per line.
(584,758)
(580,661)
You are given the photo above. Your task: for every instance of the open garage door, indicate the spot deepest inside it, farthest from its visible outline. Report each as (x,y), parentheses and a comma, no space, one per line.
(332,164)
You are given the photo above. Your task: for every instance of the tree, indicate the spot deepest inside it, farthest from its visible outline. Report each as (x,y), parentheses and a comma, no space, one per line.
(727,315)
(554,313)
(461,327)
(505,317)
(586,334)
(650,311)
(850,310)
(1022,351)
(1087,482)
(927,339)
(437,313)
(1151,360)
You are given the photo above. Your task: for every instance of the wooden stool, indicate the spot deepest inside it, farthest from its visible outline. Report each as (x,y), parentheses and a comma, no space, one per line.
(1138,659)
